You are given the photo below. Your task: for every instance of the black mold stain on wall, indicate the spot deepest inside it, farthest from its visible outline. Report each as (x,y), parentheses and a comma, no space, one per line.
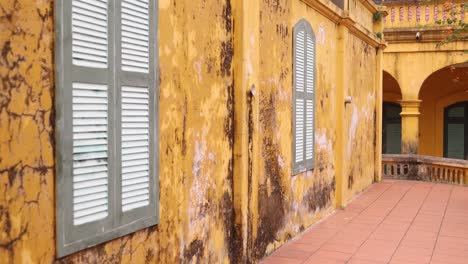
(319,196)
(271,208)
(195,249)
(410,147)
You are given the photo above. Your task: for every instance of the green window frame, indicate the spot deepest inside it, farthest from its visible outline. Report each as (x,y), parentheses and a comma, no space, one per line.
(452,120)
(303,121)
(391,120)
(106,120)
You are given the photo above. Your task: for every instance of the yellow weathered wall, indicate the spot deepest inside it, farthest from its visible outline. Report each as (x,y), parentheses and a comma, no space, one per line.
(288,204)
(196,87)
(27,218)
(359,12)
(198,221)
(360,115)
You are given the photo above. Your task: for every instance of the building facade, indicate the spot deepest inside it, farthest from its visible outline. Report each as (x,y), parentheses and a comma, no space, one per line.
(215,88)
(425,85)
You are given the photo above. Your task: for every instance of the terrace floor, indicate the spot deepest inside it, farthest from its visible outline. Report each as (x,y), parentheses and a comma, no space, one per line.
(392,222)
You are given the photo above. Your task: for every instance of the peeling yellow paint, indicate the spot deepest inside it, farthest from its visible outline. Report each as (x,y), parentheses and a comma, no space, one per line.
(227,194)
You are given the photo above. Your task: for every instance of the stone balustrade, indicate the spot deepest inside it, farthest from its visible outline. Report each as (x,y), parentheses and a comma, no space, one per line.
(425,168)
(411,14)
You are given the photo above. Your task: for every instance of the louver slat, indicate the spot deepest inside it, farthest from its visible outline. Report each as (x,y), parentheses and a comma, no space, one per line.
(135,36)
(135,147)
(89,33)
(90,154)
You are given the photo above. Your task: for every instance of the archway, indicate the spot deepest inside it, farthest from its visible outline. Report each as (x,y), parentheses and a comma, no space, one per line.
(391,88)
(391,119)
(440,91)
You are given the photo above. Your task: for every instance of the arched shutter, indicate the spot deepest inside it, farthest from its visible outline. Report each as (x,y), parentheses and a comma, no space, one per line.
(299,92)
(303,99)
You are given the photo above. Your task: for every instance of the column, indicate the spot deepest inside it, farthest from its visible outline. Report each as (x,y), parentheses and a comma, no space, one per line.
(341,87)
(410,126)
(379,27)
(246,104)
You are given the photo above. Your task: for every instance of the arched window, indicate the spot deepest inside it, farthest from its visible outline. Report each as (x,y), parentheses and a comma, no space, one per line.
(391,138)
(456,131)
(303,96)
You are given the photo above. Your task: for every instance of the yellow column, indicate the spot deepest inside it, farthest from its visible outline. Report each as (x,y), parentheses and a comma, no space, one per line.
(379,27)
(378,118)
(340,160)
(410,126)
(246,66)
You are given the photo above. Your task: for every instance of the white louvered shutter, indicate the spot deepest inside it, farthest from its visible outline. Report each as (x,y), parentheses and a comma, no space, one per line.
(90,112)
(299,103)
(135,36)
(136,111)
(90,154)
(107,121)
(303,120)
(89,33)
(135,147)
(310,99)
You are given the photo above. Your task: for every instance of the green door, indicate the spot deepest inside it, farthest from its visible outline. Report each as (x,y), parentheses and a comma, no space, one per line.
(456,131)
(391,128)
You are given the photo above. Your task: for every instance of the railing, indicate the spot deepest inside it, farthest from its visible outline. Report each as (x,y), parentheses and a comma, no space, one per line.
(408,14)
(425,168)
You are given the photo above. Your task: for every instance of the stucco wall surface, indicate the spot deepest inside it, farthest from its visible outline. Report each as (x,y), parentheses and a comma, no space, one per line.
(288,204)
(195,138)
(360,116)
(196,141)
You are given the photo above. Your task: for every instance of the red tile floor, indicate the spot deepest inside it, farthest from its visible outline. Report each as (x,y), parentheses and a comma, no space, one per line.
(401,222)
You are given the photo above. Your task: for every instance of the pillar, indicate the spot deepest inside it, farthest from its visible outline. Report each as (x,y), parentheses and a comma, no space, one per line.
(342,86)
(410,126)
(379,27)
(246,104)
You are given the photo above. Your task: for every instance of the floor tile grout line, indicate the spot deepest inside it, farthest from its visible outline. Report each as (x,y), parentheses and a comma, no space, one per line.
(442,222)
(411,223)
(377,198)
(375,228)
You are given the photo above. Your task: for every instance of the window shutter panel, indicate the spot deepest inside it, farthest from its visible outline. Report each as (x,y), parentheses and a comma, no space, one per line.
(84,122)
(310,98)
(299,102)
(135,147)
(90,152)
(90,115)
(138,148)
(304,97)
(90,38)
(135,36)
(106,72)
